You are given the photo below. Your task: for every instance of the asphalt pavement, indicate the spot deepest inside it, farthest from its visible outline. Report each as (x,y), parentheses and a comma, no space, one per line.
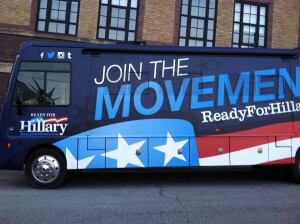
(172,196)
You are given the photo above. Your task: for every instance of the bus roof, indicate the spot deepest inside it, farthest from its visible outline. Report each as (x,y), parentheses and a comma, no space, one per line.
(89,48)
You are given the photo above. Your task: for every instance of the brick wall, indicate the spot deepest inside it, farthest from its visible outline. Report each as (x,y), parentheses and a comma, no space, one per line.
(299,30)
(88,19)
(177,22)
(159,20)
(224,23)
(10,45)
(15,12)
(286,24)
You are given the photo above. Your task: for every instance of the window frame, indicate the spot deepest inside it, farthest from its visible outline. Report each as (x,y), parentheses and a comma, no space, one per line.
(205,28)
(66,22)
(107,27)
(45,76)
(257,25)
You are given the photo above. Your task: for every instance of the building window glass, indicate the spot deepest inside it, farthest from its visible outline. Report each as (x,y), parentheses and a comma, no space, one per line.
(58,16)
(249,27)
(198,22)
(118,20)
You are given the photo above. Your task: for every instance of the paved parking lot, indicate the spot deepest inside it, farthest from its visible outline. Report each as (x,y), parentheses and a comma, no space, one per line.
(196,196)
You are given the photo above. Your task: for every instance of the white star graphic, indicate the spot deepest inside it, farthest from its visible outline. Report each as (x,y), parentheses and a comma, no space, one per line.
(125,153)
(72,162)
(171,149)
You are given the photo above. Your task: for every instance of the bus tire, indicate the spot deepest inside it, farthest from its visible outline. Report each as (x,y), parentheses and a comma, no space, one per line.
(46,168)
(296,167)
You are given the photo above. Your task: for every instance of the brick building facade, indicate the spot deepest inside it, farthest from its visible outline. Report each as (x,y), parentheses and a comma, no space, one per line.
(219,23)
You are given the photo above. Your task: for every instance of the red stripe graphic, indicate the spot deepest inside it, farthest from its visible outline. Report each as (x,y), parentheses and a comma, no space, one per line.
(279,162)
(209,145)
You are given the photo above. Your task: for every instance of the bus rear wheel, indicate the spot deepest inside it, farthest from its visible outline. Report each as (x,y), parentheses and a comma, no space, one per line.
(296,167)
(45,168)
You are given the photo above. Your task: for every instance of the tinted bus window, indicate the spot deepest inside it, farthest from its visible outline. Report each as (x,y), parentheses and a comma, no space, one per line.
(43,83)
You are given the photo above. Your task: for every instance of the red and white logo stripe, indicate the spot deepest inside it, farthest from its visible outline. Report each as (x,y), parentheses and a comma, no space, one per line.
(55,120)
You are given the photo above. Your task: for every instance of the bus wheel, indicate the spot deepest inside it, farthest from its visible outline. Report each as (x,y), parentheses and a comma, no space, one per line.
(46,168)
(296,168)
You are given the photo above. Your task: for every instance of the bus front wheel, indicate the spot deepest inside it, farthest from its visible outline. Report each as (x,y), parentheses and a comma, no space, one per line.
(296,167)
(45,168)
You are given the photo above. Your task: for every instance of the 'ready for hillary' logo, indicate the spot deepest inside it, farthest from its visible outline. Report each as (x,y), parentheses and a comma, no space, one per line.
(40,126)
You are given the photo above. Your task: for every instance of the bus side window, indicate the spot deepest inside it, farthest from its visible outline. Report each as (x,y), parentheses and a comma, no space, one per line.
(43,83)
(27,87)
(58,87)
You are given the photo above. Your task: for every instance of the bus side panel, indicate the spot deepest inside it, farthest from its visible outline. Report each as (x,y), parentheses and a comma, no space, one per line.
(258,121)
(205,108)
(213,150)
(280,150)
(3,145)
(5,115)
(62,120)
(213,95)
(295,67)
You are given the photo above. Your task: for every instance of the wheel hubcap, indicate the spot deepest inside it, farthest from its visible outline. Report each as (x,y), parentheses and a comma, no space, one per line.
(45,169)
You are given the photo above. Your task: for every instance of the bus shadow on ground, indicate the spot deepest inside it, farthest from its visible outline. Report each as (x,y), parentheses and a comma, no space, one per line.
(203,176)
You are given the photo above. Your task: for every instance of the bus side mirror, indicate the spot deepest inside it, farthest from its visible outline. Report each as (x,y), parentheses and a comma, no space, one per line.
(19,102)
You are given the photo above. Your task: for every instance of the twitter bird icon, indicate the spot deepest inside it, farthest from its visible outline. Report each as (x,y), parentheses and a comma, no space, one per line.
(51,54)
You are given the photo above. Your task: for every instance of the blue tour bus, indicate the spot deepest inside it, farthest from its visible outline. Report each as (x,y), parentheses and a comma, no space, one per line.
(81,106)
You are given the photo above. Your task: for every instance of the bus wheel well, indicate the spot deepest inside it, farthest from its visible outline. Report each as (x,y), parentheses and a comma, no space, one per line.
(43,146)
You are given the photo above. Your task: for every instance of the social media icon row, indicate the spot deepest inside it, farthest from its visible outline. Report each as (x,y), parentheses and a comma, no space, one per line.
(59,55)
